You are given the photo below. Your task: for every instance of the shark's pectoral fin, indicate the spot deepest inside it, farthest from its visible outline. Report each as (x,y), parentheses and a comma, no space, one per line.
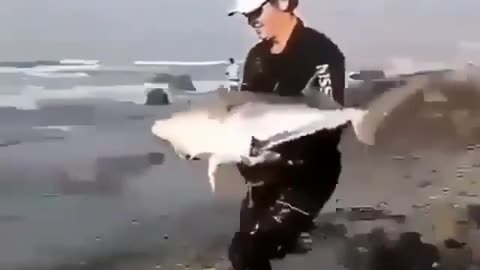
(213,164)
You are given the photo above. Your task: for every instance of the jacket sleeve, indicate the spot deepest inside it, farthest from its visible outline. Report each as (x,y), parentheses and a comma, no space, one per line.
(330,73)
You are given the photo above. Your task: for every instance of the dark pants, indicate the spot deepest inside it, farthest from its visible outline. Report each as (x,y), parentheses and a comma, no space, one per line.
(273,216)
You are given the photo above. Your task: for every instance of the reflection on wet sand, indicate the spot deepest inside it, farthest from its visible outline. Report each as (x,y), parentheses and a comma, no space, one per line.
(110,174)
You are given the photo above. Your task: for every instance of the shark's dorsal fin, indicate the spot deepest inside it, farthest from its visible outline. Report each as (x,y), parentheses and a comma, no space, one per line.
(319,100)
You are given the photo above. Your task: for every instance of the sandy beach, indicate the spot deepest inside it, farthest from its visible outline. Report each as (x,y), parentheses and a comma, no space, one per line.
(84,185)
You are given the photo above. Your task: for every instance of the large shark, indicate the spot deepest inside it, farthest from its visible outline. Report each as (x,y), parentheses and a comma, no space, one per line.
(245,127)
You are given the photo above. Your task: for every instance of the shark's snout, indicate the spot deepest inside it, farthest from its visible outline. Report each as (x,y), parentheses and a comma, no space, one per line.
(156,128)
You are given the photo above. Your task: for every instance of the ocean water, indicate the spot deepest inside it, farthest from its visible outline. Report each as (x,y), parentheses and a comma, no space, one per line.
(29,97)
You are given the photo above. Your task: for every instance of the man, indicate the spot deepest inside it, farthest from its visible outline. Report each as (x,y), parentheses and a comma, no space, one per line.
(283,200)
(233,74)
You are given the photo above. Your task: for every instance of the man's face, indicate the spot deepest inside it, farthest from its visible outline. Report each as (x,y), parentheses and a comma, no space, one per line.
(264,20)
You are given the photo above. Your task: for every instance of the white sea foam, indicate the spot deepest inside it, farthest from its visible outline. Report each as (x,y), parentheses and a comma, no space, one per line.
(62,128)
(58,75)
(79,62)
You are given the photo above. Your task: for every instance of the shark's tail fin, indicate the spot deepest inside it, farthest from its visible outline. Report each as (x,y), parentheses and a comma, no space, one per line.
(367,121)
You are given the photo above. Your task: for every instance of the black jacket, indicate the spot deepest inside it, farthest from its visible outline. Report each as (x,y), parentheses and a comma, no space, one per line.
(306,53)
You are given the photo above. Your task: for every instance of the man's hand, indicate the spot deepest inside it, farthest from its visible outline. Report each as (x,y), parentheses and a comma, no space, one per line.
(266,157)
(267,166)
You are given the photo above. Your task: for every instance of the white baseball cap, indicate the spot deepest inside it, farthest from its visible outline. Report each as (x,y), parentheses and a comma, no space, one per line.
(246,6)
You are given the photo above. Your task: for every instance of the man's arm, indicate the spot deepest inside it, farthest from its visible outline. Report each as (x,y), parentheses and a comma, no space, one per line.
(330,72)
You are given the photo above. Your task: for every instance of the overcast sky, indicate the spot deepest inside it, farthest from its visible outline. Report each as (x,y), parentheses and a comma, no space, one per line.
(120,31)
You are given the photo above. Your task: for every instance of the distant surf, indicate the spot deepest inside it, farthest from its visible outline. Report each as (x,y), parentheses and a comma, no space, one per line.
(58,75)
(37,63)
(65,68)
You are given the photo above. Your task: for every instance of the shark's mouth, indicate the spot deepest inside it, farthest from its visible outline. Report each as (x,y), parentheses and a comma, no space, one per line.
(188,156)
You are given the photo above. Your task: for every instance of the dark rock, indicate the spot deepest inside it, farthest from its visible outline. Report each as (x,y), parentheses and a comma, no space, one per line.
(161,78)
(7,143)
(157,96)
(181,82)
